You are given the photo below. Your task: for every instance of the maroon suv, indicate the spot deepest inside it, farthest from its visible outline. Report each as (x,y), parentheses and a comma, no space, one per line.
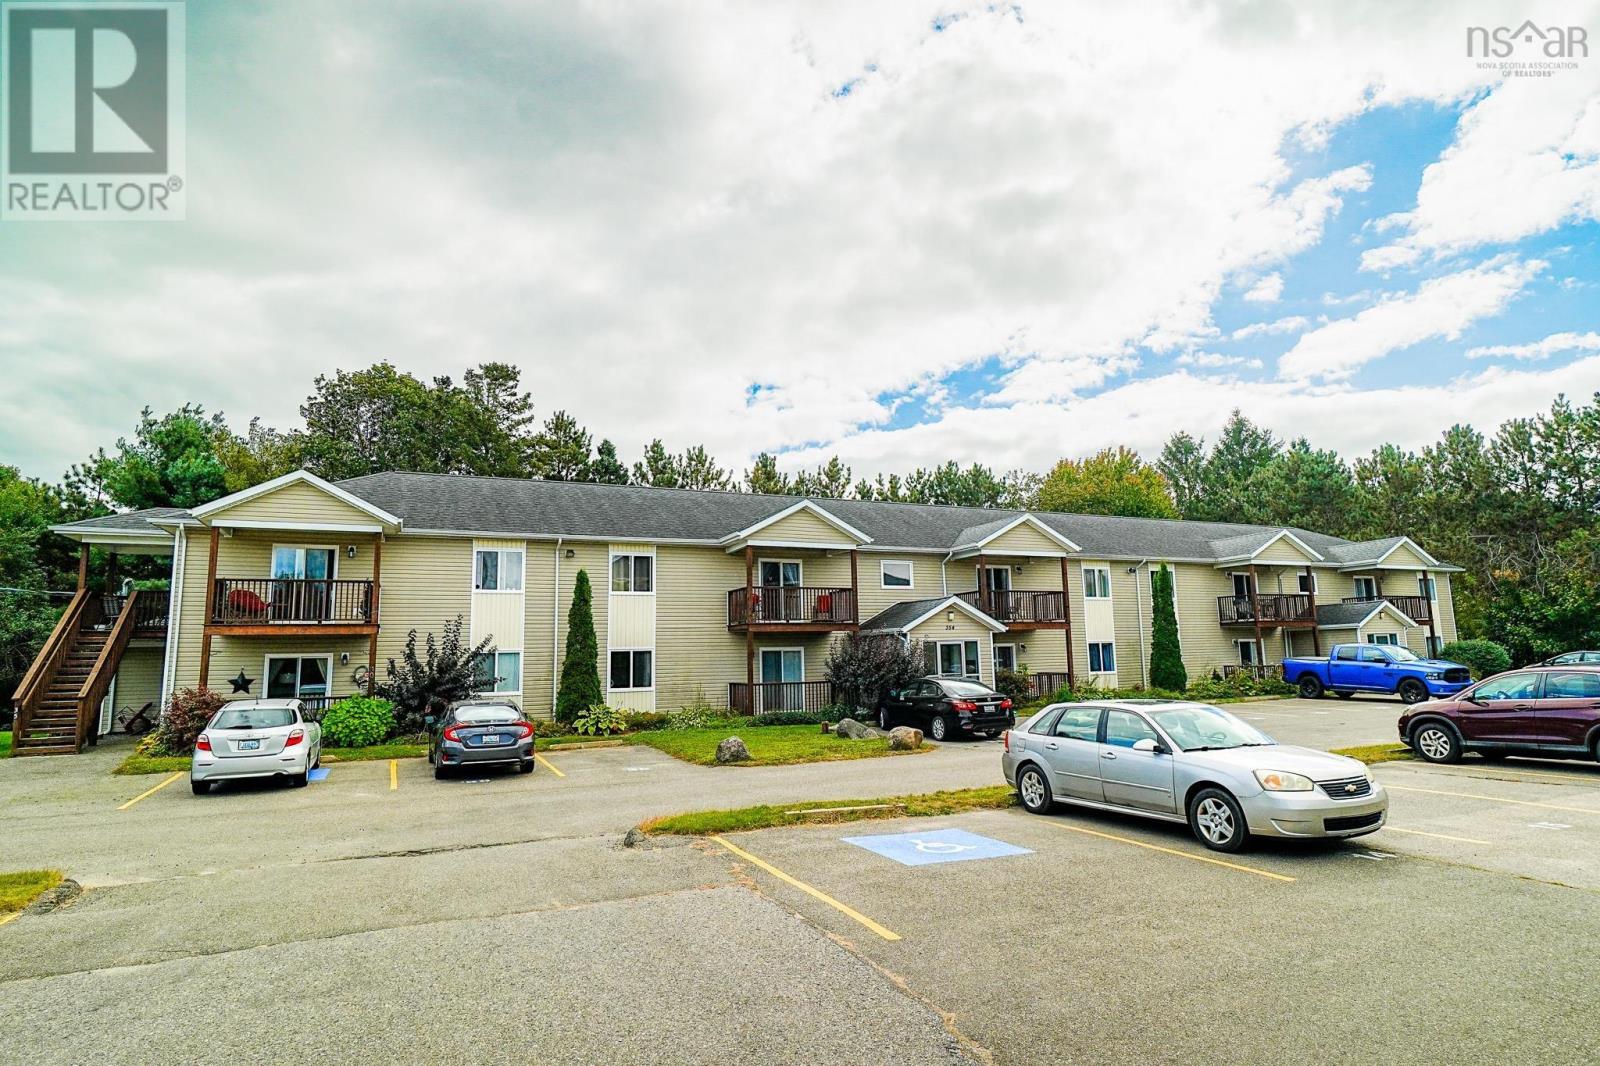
(1553,711)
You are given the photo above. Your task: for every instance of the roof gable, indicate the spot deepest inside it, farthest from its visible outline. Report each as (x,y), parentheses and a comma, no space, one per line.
(802,524)
(909,614)
(299,498)
(1021,534)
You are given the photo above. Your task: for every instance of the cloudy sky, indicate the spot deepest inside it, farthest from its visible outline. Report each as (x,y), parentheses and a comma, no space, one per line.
(901,232)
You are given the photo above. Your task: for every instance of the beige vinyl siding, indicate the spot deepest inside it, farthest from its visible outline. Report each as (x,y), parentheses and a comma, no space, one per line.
(697,655)
(1284,552)
(543,647)
(426,582)
(927,576)
(802,527)
(1404,558)
(139,677)
(940,628)
(298,502)
(1446,604)
(1131,611)
(1385,623)
(631,627)
(1022,540)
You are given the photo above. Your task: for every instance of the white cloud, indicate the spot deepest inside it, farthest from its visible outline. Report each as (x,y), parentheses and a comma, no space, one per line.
(1267,290)
(1216,359)
(1441,307)
(1554,344)
(1289,324)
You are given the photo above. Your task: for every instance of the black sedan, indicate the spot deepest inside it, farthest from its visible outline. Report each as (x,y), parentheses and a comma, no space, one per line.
(476,733)
(946,707)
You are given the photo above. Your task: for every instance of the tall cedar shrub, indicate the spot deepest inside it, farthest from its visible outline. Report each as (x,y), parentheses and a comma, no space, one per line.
(1166,657)
(580,671)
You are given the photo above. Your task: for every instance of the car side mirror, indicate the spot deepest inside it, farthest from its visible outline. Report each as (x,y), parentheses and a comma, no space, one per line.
(1147,745)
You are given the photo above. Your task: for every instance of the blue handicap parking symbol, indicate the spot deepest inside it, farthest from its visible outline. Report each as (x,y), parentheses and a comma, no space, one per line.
(318,774)
(936,845)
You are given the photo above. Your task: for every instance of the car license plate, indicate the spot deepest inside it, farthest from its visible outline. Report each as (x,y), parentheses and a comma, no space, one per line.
(490,738)
(249,745)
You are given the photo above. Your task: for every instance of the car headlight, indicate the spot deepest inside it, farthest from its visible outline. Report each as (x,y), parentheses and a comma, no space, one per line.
(1283,781)
(1434,675)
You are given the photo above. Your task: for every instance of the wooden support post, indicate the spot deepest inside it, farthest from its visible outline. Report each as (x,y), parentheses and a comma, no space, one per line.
(749,633)
(211,602)
(1066,599)
(1255,611)
(83,567)
(1311,590)
(113,571)
(983,586)
(377,596)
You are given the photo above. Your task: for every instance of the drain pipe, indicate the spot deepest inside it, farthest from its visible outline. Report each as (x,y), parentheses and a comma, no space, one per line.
(555,631)
(1138,618)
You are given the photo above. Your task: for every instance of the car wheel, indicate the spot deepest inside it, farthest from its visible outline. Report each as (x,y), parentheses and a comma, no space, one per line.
(525,767)
(883,718)
(1033,789)
(939,728)
(1436,742)
(301,779)
(200,787)
(1310,688)
(1217,821)
(1413,691)
(439,772)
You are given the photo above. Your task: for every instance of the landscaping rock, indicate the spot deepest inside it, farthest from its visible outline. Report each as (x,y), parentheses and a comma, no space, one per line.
(732,749)
(904,738)
(851,729)
(633,838)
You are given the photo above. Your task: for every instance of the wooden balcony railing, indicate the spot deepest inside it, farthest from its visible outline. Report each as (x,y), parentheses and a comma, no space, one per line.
(1416,608)
(1046,683)
(1012,606)
(1259,671)
(791,604)
(1269,609)
(765,696)
(306,601)
(149,611)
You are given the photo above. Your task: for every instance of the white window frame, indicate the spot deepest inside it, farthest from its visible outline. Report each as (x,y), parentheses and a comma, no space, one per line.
(497,691)
(883,569)
(1300,580)
(1086,571)
(1102,645)
(1239,652)
(987,581)
(1358,581)
(760,661)
(630,653)
(266,672)
(633,573)
(1428,587)
(1251,587)
(1388,640)
(800,569)
(960,643)
(1014,660)
(302,549)
(501,570)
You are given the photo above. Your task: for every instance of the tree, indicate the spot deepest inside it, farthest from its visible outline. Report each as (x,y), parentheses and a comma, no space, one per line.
(491,420)
(1166,656)
(1111,482)
(1306,487)
(262,454)
(764,477)
(697,470)
(579,688)
(976,486)
(1182,463)
(863,668)
(33,565)
(560,451)
(658,468)
(445,672)
(171,462)
(829,481)
(607,469)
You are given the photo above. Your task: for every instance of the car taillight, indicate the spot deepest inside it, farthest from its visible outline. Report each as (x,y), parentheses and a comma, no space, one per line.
(1005,705)
(964,705)
(523,730)
(203,743)
(295,737)
(451,734)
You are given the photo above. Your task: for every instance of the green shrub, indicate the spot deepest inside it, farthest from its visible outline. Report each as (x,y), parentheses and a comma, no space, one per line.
(695,716)
(1081,692)
(1018,684)
(183,721)
(446,671)
(1239,686)
(358,722)
(580,673)
(1482,657)
(643,721)
(1166,656)
(600,720)
(792,718)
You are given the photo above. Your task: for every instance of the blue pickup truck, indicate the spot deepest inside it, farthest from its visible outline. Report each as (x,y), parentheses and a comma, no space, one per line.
(1352,668)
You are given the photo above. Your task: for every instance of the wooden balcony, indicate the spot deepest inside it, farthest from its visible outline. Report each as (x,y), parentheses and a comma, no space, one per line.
(291,606)
(1274,610)
(149,613)
(792,608)
(1021,610)
(1416,608)
(1046,683)
(766,696)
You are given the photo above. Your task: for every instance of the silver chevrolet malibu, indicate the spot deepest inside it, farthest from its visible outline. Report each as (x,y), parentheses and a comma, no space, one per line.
(1191,762)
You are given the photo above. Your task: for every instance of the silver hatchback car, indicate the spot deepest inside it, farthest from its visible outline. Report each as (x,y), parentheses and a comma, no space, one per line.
(1188,762)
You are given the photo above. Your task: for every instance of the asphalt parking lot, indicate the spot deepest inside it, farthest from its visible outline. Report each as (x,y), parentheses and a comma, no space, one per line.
(1454,934)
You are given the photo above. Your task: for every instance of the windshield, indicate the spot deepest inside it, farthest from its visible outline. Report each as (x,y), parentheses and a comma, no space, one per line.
(1206,728)
(492,714)
(1401,655)
(253,718)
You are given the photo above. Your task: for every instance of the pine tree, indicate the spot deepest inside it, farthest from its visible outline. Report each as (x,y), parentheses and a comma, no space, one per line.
(765,477)
(659,467)
(1166,657)
(561,449)
(580,672)
(607,468)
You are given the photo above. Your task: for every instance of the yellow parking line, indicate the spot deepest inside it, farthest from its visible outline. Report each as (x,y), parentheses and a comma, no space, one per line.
(848,912)
(1172,851)
(13,916)
(394,774)
(1492,799)
(1436,836)
(153,791)
(548,765)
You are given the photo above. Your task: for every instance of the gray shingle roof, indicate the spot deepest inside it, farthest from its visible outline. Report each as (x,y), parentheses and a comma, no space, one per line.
(129,521)
(894,619)
(1346,614)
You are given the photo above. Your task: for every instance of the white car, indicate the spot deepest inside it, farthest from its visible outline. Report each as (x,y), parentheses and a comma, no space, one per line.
(256,738)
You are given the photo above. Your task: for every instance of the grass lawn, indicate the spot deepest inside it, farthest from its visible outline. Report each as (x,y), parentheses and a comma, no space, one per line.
(927,804)
(20,889)
(5,744)
(1374,753)
(770,745)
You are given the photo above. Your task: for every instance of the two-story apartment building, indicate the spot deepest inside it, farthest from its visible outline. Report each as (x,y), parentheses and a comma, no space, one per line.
(300,587)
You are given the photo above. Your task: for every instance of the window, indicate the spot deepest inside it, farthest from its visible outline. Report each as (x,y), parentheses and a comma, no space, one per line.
(632,669)
(1102,658)
(895,574)
(1308,584)
(1046,723)
(1371,655)
(497,570)
(1576,685)
(1345,653)
(298,677)
(499,671)
(1383,638)
(1366,588)
(1519,686)
(1435,644)
(780,573)
(1005,656)
(997,578)
(633,573)
(315,564)
(1241,586)
(1425,587)
(958,658)
(1125,729)
(1079,723)
(1096,583)
(1247,652)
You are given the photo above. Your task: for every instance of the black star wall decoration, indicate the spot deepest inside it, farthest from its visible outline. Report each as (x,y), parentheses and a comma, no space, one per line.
(241,683)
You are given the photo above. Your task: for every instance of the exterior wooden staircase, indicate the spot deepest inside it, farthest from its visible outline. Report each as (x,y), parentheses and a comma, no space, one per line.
(58,702)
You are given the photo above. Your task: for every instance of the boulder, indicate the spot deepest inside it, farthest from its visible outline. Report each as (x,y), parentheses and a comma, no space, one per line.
(633,837)
(904,738)
(851,729)
(732,749)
